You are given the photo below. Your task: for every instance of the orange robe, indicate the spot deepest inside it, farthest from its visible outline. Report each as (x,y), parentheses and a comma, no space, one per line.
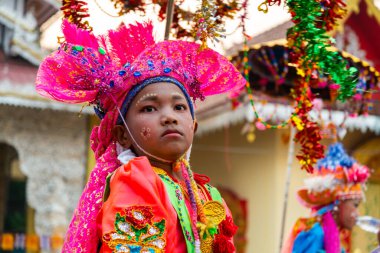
(138,213)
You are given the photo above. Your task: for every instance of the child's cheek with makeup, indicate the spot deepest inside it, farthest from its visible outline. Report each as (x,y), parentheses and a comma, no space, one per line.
(145,133)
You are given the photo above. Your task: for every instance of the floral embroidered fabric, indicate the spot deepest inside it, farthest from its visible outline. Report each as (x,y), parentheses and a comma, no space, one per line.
(136,232)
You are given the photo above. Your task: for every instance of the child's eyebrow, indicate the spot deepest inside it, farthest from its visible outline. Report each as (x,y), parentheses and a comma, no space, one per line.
(147,97)
(154,97)
(177,96)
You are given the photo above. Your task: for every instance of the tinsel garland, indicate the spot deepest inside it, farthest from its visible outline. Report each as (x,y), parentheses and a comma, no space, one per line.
(210,18)
(206,23)
(75,11)
(310,42)
(309,133)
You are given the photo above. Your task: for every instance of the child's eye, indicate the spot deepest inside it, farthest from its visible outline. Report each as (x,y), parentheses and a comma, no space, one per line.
(148,108)
(180,107)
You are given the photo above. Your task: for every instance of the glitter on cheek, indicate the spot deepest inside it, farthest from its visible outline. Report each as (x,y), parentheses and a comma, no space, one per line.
(145,133)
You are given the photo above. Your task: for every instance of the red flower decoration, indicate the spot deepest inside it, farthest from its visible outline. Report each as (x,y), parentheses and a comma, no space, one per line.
(222,244)
(227,227)
(138,216)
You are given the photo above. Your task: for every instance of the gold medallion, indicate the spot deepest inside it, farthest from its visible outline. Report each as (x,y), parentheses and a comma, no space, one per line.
(214,212)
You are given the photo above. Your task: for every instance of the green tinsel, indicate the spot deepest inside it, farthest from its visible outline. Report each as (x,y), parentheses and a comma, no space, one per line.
(309,39)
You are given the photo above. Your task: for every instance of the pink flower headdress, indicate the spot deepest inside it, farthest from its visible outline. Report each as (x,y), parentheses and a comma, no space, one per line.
(101,71)
(337,177)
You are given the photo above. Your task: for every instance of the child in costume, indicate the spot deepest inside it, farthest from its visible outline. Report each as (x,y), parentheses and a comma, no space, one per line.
(333,193)
(142,195)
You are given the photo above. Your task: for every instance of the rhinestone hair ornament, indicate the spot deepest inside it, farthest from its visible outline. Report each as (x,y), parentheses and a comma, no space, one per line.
(101,70)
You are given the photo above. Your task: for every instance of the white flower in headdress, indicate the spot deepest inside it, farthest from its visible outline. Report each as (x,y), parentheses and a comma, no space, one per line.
(320,183)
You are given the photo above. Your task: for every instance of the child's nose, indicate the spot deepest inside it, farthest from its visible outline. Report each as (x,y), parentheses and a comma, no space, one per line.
(168,118)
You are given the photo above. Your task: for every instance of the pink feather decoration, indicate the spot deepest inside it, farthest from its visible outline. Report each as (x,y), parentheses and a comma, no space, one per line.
(77,36)
(126,43)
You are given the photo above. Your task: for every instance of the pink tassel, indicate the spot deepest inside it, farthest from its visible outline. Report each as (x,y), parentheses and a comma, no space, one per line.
(331,234)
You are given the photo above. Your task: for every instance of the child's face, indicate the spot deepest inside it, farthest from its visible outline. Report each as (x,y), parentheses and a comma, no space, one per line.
(160,121)
(348,213)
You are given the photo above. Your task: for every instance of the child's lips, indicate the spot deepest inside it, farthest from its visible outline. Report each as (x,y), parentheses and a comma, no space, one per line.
(171,133)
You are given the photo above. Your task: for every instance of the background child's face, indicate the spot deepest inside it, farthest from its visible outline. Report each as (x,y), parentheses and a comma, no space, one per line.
(160,121)
(348,213)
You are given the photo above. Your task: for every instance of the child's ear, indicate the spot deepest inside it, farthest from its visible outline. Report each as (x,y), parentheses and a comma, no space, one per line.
(195,126)
(121,136)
